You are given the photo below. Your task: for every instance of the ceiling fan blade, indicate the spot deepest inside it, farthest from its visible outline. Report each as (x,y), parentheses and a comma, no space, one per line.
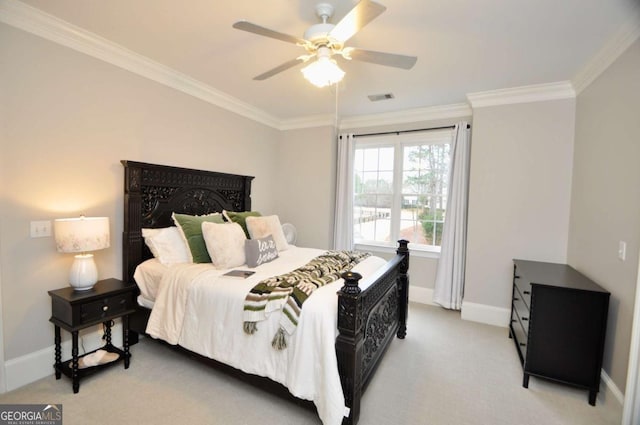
(363,13)
(279,69)
(257,29)
(380,58)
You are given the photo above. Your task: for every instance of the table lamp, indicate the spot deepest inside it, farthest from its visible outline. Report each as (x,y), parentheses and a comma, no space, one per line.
(82,235)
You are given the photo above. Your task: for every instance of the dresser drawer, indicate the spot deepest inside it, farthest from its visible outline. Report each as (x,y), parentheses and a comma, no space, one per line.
(520,336)
(521,309)
(104,308)
(524,286)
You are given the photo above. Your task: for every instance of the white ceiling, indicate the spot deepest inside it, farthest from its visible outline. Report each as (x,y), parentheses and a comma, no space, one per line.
(462,46)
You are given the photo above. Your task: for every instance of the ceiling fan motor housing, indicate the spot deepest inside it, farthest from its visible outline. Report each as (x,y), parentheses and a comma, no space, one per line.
(318,32)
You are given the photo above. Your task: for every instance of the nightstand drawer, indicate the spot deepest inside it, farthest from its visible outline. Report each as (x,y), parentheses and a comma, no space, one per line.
(106,307)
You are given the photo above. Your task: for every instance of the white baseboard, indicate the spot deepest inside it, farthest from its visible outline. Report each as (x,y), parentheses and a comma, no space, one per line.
(421,295)
(39,364)
(487,314)
(612,387)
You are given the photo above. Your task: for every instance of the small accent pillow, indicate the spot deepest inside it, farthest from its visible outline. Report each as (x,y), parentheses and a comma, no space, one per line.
(190,227)
(240,218)
(260,251)
(166,244)
(225,244)
(259,227)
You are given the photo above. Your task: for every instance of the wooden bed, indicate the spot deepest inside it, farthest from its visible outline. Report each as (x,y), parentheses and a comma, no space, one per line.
(367,319)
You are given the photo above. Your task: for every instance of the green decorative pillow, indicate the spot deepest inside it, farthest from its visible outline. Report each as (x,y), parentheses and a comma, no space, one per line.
(191,228)
(241,217)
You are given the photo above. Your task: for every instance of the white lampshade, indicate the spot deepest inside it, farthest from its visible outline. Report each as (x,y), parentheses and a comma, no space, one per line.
(324,71)
(81,235)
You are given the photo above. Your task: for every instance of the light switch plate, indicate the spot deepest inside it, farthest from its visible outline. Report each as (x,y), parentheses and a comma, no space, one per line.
(622,250)
(41,229)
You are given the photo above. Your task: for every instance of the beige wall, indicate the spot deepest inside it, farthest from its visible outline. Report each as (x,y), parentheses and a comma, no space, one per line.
(69,120)
(605,203)
(306,184)
(519,193)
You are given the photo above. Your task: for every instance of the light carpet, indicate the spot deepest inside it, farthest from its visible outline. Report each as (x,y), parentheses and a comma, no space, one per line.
(447,371)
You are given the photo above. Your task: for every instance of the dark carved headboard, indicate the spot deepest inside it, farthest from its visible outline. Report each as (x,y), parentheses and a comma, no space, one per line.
(153,192)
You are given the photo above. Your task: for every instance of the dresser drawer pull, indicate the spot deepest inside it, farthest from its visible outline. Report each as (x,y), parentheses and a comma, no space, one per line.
(516,299)
(527,292)
(516,277)
(105,308)
(522,344)
(524,319)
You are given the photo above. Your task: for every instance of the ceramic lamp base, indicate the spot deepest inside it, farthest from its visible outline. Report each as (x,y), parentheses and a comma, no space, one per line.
(84,273)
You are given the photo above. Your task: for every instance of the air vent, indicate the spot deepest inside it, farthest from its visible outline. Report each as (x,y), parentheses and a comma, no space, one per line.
(378,97)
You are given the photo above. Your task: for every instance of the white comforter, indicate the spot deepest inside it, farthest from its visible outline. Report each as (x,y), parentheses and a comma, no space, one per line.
(201,310)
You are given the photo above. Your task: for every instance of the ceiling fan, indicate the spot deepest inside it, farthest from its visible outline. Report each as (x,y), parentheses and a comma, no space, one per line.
(324,40)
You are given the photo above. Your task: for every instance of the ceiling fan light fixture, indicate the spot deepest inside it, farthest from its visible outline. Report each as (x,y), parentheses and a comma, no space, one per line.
(323,72)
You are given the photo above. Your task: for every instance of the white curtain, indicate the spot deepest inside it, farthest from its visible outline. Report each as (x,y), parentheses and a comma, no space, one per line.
(449,286)
(343,219)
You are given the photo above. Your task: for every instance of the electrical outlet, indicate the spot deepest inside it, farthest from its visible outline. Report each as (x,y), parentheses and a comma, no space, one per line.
(41,229)
(622,250)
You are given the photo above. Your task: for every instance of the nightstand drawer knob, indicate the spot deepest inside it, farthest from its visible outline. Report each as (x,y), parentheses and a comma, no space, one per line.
(105,308)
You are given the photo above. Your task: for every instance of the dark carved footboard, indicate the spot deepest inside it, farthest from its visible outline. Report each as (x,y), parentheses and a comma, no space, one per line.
(367,321)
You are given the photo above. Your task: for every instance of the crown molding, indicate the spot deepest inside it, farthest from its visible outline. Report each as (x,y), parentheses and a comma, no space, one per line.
(311,121)
(615,47)
(406,116)
(34,21)
(524,94)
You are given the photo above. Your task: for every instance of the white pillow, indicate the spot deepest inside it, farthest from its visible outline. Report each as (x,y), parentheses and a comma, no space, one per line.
(167,245)
(225,244)
(260,227)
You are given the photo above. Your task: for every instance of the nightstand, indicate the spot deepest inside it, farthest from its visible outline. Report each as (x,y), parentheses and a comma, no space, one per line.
(74,310)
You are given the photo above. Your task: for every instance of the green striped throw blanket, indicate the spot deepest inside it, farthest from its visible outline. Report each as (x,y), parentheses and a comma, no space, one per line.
(285,294)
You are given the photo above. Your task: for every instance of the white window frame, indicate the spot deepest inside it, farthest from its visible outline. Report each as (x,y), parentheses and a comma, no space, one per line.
(399,142)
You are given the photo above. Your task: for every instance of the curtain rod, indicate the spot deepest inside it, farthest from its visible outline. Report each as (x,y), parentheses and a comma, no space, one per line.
(447,127)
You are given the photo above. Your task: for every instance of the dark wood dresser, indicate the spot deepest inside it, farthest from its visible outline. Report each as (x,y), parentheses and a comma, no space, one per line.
(558,324)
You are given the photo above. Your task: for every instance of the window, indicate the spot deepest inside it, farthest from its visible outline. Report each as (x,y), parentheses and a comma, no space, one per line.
(400,188)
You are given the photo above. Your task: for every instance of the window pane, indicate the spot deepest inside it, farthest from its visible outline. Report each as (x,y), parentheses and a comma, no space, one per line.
(370,159)
(410,224)
(385,182)
(386,159)
(425,172)
(432,222)
(383,229)
(373,194)
(419,217)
